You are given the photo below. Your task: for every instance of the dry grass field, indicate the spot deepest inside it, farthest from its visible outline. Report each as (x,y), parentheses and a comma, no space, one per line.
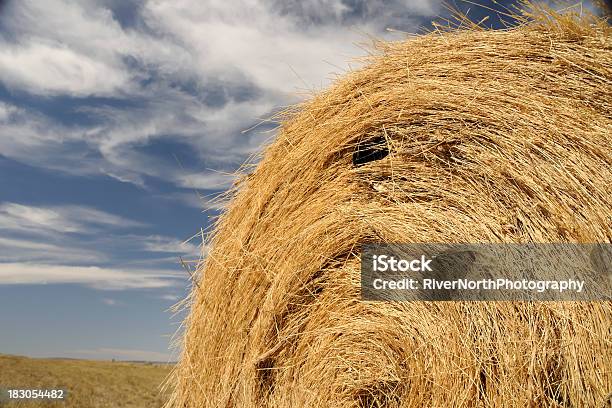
(90,384)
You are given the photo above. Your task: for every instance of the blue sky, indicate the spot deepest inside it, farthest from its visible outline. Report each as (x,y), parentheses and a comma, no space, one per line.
(119,120)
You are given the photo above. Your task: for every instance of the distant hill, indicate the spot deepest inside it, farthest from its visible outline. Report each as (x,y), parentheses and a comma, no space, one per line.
(90,384)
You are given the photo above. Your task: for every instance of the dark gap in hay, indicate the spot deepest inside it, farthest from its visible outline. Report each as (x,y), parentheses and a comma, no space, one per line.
(482,384)
(266,375)
(379,395)
(543,211)
(370,150)
(554,387)
(563,231)
(449,152)
(518,225)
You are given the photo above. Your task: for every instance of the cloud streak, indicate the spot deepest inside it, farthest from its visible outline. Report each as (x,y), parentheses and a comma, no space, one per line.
(91,276)
(30,250)
(62,219)
(80,245)
(57,69)
(156,243)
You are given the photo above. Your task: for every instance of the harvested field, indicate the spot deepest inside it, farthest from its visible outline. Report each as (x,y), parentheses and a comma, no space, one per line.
(90,384)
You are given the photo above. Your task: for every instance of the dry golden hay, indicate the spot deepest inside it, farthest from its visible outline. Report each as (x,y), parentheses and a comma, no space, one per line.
(492,136)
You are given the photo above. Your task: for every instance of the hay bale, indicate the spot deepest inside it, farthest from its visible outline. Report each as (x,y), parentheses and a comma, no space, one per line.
(475,136)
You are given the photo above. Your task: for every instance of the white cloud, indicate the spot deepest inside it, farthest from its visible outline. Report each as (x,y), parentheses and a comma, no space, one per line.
(278,45)
(157,243)
(6,111)
(43,247)
(17,216)
(170,297)
(92,276)
(29,250)
(93,216)
(62,219)
(195,199)
(226,40)
(75,48)
(110,302)
(55,68)
(208,180)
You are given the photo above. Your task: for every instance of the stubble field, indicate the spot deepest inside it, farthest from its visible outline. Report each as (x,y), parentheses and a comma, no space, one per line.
(90,384)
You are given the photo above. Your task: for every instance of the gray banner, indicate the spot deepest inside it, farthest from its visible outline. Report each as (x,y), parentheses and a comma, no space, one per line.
(532,272)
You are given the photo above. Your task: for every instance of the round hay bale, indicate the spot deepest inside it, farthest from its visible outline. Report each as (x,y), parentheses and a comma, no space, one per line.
(463,136)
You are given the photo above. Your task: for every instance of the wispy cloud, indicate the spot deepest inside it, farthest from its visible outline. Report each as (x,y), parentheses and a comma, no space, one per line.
(157,243)
(63,219)
(90,276)
(206,180)
(195,199)
(110,302)
(52,68)
(33,250)
(80,245)
(200,72)
(170,297)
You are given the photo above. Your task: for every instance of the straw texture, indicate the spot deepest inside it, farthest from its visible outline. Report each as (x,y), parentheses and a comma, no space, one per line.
(467,135)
